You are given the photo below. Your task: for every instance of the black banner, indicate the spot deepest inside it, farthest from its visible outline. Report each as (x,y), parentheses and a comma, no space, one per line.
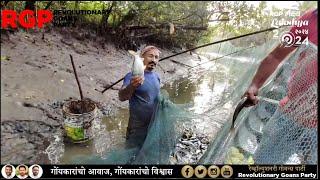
(169,171)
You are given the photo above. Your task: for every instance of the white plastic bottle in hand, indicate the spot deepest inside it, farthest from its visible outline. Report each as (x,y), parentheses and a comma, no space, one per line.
(137,66)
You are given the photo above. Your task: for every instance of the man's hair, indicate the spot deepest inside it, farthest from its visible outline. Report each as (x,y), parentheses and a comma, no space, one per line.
(149,48)
(35,167)
(22,167)
(9,167)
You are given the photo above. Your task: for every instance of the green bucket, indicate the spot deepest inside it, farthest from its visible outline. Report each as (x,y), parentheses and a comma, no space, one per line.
(78,124)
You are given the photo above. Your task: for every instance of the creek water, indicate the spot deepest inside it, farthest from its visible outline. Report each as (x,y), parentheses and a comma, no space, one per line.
(201,90)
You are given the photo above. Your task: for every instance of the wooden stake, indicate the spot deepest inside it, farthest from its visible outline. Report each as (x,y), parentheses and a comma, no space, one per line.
(75,73)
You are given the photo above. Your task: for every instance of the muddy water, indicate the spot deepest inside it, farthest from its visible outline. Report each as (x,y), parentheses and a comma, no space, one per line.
(115,127)
(200,90)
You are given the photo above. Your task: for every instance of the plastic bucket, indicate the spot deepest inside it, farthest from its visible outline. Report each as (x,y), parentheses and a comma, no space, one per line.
(78,124)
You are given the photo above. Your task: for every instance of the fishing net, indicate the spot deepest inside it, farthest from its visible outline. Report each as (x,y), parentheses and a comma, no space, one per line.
(159,143)
(271,134)
(266,133)
(294,125)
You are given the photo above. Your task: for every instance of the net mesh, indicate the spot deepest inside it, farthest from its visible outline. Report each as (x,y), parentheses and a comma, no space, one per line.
(269,133)
(158,145)
(291,134)
(265,133)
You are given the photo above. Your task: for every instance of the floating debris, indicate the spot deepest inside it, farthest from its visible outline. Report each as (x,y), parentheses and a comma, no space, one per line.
(100,135)
(56,149)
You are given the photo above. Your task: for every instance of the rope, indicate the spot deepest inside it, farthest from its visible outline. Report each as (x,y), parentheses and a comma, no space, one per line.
(216,42)
(222,56)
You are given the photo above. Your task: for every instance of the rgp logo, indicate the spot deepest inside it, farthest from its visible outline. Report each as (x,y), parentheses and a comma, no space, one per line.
(26,18)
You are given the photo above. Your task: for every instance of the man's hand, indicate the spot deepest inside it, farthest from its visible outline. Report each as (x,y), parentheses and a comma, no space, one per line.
(126,92)
(136,81)
(251,94)
(266,68)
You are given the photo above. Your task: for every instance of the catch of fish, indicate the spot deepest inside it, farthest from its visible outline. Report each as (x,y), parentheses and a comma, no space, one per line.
(189,148)
(137,65)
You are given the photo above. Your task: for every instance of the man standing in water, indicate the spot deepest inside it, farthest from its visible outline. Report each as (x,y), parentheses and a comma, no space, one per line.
(293,127)
(142,95)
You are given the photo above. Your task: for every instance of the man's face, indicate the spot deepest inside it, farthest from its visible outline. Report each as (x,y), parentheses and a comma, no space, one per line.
(8,171)
(35,171)
(22,171)
(151,59)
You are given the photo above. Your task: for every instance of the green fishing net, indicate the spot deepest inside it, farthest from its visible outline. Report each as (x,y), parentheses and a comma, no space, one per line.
(271,134)
(159,143)
(264,134)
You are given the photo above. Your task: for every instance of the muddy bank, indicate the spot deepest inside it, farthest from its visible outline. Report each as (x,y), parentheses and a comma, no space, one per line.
(37,78)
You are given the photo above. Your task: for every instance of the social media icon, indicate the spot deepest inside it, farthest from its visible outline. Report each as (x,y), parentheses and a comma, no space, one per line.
(213,171)
(226,171)
(187,171)
(200,171)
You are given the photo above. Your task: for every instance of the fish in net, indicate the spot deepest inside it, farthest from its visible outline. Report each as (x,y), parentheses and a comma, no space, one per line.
(266,133)
(290,136)
(275,133)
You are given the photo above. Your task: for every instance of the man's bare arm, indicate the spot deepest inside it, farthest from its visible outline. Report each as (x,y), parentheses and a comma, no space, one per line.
(270,64)
(266,68)
(126,92)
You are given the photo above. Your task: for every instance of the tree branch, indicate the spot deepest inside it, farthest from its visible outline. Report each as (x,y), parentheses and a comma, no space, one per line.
(143,36)
(165,25)
(48,5)
(5,3)
(30,5)
(183,18)
(213,20)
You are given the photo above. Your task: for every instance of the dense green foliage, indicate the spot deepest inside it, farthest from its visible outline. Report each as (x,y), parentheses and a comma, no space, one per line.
(131,23)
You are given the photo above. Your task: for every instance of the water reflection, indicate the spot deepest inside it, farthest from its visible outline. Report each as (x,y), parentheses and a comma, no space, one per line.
(181,91)
(201,90)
